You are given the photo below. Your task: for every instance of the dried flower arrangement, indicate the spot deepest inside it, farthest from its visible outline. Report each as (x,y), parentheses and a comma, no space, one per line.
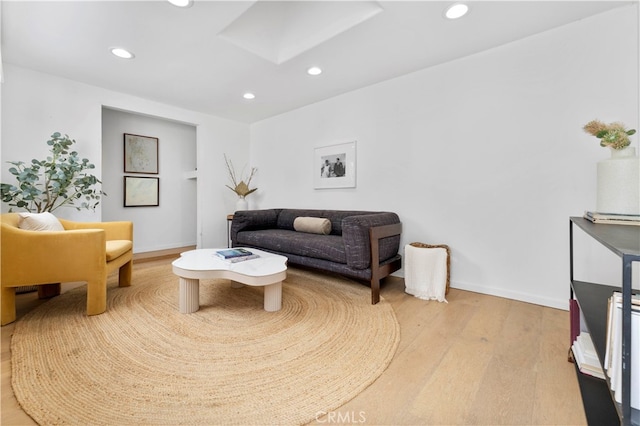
(239,187)
(613,135)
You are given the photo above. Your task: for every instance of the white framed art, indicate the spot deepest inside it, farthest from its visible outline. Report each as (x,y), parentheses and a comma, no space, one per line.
(334,166)
(141,191)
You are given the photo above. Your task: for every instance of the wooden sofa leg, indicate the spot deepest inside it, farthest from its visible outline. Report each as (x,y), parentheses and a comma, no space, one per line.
(375,291)
(47,291)
(8,307)
(124,278)
(97,296)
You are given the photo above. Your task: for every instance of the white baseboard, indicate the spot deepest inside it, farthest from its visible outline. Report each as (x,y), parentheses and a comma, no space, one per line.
(514,295)
(154,254)
(140,250)
(507,294)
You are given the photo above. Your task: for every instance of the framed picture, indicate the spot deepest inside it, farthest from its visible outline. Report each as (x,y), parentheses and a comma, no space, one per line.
(334,166)
(141,191)
(140,154)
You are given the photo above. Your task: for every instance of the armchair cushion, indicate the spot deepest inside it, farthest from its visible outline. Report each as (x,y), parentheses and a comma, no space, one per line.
(117,248)
(39,222)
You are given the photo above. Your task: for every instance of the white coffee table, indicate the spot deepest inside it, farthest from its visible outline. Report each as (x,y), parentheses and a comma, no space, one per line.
(268,270)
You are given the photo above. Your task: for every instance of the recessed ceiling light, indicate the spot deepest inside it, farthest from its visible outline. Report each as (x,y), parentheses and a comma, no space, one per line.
(122,53)
(181,3)
(456,11)
(314,71)
(249,95)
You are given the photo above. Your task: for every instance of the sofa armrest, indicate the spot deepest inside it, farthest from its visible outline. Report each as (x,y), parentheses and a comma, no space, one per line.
(250,220)
(117,230)
(356,236)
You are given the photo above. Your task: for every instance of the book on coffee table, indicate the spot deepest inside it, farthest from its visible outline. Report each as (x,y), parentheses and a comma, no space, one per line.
(236,255)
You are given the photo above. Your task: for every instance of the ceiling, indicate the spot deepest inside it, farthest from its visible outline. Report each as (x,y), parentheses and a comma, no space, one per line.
(205,57)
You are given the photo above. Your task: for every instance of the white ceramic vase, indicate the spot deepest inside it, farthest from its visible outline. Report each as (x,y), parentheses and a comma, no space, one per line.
(242,203)
(618,189)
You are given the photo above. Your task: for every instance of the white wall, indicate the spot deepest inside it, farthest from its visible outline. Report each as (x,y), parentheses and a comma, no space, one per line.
(485,154)
(34,105)
(177,194)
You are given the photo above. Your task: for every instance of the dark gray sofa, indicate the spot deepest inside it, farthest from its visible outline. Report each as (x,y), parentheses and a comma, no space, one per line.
(362,245)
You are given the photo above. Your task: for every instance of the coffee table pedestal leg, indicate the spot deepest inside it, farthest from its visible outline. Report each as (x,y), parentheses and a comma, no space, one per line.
(273,297)
(189,295)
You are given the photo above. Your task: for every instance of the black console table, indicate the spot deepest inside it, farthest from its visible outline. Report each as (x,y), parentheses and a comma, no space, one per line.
(624,241)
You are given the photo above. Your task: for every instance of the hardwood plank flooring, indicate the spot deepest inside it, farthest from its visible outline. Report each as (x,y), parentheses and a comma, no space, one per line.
(477,360)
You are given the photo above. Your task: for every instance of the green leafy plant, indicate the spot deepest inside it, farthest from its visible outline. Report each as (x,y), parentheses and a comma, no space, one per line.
(60,180)
(239,186)
(612,135)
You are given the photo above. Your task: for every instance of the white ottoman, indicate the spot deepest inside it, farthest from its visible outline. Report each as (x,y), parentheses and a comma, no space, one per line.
(426,273)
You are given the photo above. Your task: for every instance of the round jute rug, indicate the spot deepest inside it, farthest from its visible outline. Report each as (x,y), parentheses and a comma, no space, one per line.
(142,362)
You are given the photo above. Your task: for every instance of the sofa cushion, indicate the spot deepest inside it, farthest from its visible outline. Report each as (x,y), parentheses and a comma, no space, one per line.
(256,219)
(288,216)
(328,247)
(39,222)
(116,248)
(312,225)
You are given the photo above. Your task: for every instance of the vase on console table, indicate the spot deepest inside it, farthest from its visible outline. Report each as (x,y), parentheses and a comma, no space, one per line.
(618,189)
(242,203)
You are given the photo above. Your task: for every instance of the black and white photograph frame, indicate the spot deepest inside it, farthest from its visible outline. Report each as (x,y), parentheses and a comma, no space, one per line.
(140,154)
(334,166)
(141,191)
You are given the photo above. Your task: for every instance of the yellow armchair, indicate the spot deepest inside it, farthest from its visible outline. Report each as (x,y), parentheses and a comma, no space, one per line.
(84,251)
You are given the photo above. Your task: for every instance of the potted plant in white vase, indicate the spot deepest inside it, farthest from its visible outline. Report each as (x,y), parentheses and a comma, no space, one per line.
(60,180)
(240,187)
(618,182)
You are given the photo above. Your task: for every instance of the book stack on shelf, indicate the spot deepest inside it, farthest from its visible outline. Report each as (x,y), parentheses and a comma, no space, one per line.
(612,218)
(585,356)
(236,255)
(613,356)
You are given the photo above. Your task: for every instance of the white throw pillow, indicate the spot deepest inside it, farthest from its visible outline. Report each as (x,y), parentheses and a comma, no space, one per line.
(312,225)
(39,222)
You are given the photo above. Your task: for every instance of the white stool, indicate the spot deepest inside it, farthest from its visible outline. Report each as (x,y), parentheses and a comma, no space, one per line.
(426,273)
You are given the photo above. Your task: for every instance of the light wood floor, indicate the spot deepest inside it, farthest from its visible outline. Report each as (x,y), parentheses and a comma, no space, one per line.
(477,360)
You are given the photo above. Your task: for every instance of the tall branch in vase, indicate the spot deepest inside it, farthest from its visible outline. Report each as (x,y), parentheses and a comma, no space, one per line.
(240,187)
